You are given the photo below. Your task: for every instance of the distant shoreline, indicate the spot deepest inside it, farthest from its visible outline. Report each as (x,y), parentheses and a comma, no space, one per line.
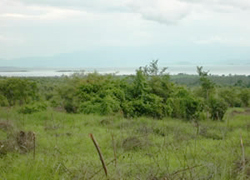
(221,70)
(74,71)
(14,71)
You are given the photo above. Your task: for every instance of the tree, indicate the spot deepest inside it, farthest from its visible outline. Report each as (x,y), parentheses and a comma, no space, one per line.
(206,84)
(140,84)
(158,80)
(215,106)
(153,69)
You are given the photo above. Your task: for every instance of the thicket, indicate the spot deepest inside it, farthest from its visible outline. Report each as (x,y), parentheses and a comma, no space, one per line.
(150,92)
(19,91)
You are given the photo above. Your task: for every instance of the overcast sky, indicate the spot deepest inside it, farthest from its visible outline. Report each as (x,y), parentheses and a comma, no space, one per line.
(171,30)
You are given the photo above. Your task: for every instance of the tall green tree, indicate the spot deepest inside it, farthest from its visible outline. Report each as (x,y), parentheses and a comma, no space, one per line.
(206,84)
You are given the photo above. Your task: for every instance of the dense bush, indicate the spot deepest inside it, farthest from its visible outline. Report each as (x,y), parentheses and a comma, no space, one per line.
(100,94)
(18,91)
(3,100)
(217,108)
(32,108)
(147,93)
(231,96)
(185,105)
(245,96)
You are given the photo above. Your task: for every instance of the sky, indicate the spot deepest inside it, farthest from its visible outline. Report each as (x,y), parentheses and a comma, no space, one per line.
(123,33)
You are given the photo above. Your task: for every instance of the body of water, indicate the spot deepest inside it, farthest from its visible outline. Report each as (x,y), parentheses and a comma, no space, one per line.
(172,70)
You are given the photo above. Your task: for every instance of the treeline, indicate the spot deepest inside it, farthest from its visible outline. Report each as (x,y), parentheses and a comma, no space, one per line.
(149,92)
(230,80)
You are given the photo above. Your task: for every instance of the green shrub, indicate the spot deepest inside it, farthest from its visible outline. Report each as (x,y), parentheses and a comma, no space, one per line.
(128,109)
(217,108)
(3,100)
(18,91)
(109,105)
(29,109)
(245,97)
(184,105)
(70,107)
(148,105)
(230,96)
(90,107)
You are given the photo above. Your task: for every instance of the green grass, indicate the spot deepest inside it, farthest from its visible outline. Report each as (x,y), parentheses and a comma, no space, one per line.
(145,148)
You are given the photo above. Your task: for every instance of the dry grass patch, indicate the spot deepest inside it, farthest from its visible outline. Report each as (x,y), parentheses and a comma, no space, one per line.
(16,140)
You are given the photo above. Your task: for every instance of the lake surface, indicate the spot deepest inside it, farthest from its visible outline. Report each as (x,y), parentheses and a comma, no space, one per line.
(172,70)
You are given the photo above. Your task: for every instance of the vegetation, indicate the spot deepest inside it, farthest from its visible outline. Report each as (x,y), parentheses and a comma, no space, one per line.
(147,125)
(145,148)
(149,93)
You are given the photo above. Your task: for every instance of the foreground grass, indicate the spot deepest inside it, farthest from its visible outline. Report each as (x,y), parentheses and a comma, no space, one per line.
(145,148)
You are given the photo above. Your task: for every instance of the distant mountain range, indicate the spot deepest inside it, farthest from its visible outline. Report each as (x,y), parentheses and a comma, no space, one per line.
(115,57)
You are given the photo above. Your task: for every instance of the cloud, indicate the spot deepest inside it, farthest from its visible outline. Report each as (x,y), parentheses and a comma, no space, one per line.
(49,30)
(91,5)
(241,4)
(221,5)
(48,27)
(167,12)
(17,10)
(161,11)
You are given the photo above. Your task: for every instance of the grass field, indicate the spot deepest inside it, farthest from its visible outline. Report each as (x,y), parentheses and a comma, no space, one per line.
(140,148)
